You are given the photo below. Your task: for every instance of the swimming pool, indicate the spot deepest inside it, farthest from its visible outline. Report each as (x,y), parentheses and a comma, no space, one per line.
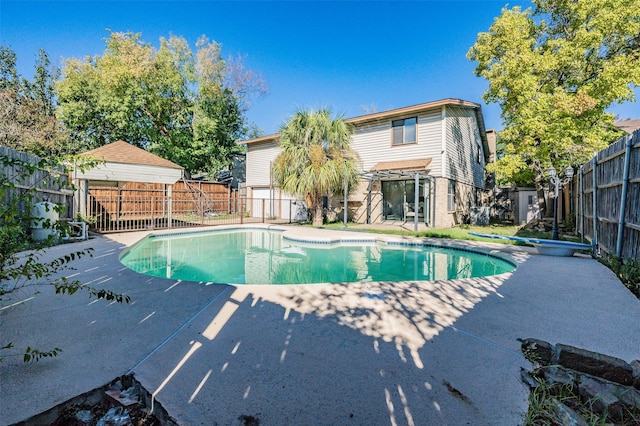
(259,256)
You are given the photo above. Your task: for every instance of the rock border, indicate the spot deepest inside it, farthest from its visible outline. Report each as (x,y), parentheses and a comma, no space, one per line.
(608,385)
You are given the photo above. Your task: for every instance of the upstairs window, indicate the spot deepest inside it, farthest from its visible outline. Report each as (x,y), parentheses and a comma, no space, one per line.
(404,131)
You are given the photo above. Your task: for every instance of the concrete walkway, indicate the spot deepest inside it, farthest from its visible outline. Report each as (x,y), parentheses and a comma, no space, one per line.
(426,353)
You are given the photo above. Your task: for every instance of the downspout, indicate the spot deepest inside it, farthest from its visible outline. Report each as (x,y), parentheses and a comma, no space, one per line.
(433,203)
(444,171)
(416,198)
(623,195)
(369,201)
(270,191)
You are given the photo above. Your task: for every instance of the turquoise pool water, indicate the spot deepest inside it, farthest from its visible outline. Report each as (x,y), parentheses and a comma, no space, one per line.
(265,257)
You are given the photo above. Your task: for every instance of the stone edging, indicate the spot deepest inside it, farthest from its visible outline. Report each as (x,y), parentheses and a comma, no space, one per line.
(610,385)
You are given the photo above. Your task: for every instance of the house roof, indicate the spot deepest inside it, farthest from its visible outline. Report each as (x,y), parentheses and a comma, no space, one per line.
(629,125)
(418,164)
(390,114)
(385,115)
(125,153)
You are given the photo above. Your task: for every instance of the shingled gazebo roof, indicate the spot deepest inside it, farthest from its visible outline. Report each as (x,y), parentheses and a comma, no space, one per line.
(124,162)
(124,152)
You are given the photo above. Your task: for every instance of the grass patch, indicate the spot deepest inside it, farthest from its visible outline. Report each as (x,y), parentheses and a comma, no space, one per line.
(460,232)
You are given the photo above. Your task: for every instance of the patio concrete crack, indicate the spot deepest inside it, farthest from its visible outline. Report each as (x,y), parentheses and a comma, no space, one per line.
(175,333)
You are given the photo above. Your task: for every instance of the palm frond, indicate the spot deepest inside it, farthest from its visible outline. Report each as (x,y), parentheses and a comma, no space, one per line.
(316,157)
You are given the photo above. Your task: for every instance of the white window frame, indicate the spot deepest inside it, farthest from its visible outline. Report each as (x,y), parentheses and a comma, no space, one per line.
(451,195)
(401,125)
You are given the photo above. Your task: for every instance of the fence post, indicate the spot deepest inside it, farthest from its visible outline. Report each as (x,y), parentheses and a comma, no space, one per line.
(263,210)
(581,189)
(346,199)
(623,195)
(201,209)
(290,210)
(84,198)
(594,242)
(153,209)
(169,206)
(241,213)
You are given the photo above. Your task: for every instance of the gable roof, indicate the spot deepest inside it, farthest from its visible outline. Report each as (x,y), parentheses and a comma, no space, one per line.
(125,153)
(400,112)
(629,125)
(390,114)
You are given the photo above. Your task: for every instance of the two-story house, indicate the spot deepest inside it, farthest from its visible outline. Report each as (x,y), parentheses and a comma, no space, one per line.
(425,161)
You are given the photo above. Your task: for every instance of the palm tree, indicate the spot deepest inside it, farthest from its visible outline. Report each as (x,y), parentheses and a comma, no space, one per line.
(315,158)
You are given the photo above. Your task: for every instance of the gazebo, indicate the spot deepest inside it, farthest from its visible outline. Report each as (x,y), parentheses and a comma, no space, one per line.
(122,163)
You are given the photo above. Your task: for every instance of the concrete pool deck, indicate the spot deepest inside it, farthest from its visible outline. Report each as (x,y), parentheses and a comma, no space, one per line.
(441,352)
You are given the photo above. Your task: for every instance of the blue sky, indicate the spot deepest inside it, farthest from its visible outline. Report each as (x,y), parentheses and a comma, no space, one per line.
(351,56)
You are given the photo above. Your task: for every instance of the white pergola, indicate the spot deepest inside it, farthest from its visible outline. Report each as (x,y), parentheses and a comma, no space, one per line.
(415,169)
(122,163)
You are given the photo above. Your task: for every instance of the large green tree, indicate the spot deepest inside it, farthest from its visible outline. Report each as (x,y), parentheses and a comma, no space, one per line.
(316,158)
(9,79)
(554,71)
(184,106)
(27,108)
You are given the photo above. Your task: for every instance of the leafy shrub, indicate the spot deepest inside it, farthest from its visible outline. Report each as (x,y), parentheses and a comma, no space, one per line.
(20,268)
(628,271)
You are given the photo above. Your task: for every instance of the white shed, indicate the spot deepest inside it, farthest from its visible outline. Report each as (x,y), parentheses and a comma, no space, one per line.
(123,163)
(525,205)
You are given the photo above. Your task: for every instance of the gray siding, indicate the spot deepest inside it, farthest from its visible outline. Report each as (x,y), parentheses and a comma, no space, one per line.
(373,142)
(464,155)
(259,159)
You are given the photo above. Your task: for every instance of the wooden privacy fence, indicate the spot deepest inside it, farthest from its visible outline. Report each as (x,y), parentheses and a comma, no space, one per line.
(136,206)
(44,185)
(610,215)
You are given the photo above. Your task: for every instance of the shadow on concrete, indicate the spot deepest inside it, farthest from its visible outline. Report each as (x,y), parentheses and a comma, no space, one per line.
(442,352)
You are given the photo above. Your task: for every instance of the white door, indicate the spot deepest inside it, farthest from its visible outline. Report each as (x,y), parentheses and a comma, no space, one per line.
(533,210)
(262,203)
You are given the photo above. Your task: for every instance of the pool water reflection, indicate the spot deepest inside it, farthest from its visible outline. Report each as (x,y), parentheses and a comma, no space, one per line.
(265,257)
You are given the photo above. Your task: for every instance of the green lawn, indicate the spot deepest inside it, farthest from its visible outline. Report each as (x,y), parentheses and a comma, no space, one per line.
(457,233)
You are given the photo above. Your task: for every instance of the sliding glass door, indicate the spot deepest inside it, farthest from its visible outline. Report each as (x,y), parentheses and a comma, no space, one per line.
(398,200)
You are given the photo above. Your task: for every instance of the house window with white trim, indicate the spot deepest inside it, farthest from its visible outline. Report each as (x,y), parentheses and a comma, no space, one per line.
(451,196)
(404,131)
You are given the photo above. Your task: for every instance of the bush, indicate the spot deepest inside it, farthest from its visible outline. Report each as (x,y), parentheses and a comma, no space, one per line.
(628,271)
(20,268)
